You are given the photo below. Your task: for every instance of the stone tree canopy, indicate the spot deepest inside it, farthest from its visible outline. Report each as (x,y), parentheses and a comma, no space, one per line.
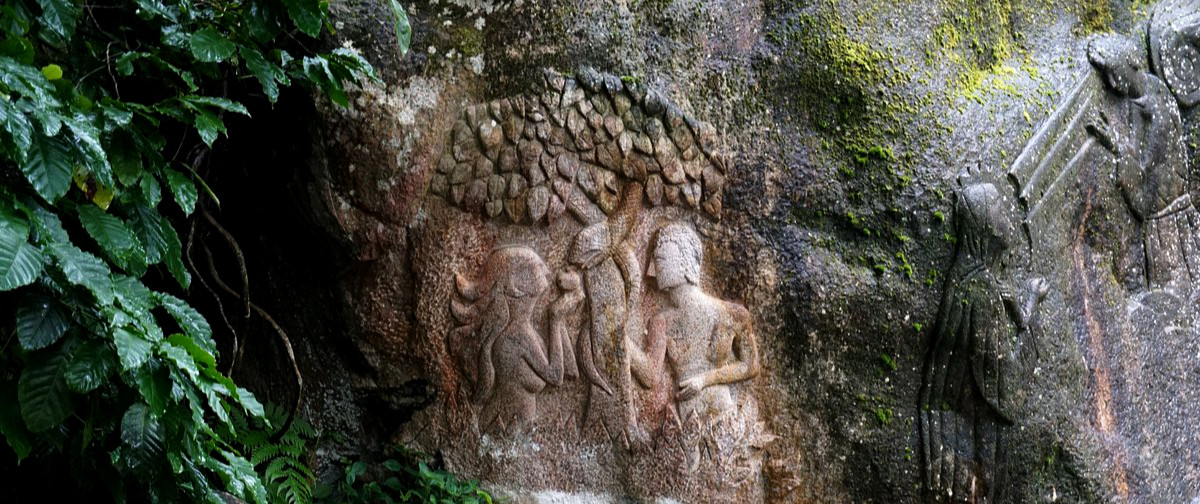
(521,158)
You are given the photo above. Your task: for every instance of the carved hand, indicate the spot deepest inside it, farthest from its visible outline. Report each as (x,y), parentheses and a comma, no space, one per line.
(571,297)
(1100,129)
(690,387)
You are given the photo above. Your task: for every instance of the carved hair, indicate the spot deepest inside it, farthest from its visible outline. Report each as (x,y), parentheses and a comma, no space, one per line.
(687,242)
(511,273)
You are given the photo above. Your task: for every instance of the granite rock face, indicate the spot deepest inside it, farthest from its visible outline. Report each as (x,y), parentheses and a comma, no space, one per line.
(709,251)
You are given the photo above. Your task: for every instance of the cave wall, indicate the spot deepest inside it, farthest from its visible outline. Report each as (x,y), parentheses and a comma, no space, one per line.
(513,179)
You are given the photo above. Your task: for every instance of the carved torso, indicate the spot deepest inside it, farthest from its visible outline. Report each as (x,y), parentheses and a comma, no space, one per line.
(1153,168)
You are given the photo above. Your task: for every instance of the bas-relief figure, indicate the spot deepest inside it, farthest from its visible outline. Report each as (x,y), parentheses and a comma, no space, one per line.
(599,167)
(1123,123)
(501,351)
(592,150)
(966,396)
(1143,130)
(697,344)
(1126,119)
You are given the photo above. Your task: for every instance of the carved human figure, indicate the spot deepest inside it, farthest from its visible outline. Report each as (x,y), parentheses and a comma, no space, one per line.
(1175,48)
(705,343)
(966,392)
(499,348)
(1145,134)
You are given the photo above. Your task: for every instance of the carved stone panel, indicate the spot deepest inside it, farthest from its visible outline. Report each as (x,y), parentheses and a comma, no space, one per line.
(582,340)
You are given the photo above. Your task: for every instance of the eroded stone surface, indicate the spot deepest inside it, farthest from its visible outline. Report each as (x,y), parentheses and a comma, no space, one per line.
(525,241)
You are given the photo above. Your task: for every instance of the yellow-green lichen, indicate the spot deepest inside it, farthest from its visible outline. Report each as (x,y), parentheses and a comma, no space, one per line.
(1095,15)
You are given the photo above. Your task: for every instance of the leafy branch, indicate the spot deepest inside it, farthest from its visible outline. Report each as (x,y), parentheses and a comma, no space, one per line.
(98,100)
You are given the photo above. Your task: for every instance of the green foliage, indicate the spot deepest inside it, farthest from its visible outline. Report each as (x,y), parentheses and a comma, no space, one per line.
(402,27)
(283,463)
(95,108)
(406,478)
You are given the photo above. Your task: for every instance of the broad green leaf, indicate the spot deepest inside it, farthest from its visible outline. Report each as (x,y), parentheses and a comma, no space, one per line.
(306,14)
(18,48)
(146,223)
(126,160)
(12,426)
(15,18)
(52,72)
(176,36)
(262,21)
(209,125)
(90,367)
(221,103)
(124,62)
(402,27)
(190,320)
(85,270)
(132,348)
(137,302)
(116,116)
(316,69)
(174,254)
(248,401)
(49,167)
(345,63)
(114,238)
(201,356)
(141,432)
(151,8)
(20,262)
(151,190)
(47,224)
(41,321)
(213,391)
(27,81)
(154,385)
(210,46)
(16,124)
(268,74)
(183,189)
(60,16)
(196,404)
(354,471)
(42,391)
(87,138)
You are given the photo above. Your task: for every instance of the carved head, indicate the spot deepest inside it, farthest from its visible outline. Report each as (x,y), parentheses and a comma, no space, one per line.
(521,270)
(677,256)
(984,232)
(1121,63)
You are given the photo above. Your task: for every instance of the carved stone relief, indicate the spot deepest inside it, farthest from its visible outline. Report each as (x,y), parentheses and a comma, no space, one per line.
(1122,116)
(965,401)
(576,146)
(589,319)
(1103,184)
(696,345)
(1175,48)
(1143,130)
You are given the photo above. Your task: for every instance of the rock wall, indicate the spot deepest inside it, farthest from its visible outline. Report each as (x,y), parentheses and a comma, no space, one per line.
(710,251)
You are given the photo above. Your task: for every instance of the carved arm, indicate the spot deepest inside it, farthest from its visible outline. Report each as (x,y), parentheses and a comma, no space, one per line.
(552,371)
(745,364)
(648,364)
